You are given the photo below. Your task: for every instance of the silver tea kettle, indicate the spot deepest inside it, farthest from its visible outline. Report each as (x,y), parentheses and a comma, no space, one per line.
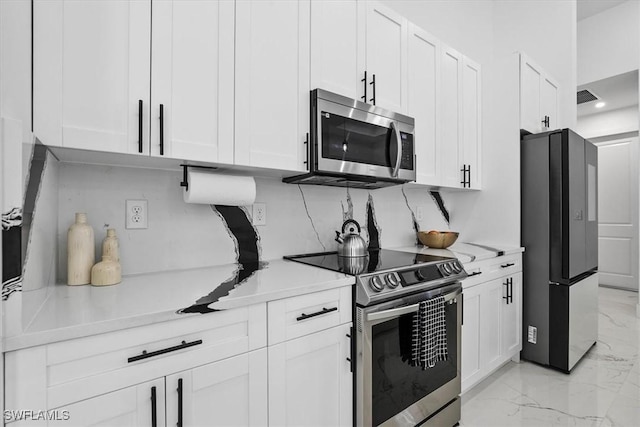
(350,244)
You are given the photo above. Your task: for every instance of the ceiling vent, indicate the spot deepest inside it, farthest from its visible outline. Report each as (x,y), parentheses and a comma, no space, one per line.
(586,96)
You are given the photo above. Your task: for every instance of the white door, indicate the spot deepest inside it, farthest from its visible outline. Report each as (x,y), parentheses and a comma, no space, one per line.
(450,116)
(337,59)
(310,383)
(549,102)
(130,407)
(471,335)
(272,83)
(422,95)
(92,74)
(491,323)
(232,392)
(386,57)
(530,78)
(618,213)
(512,315)
(472,121)
(192,80)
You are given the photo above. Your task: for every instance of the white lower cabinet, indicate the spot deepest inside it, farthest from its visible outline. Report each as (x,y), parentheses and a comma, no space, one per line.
(139,405)
(310,380)
(231,392)
(492,318)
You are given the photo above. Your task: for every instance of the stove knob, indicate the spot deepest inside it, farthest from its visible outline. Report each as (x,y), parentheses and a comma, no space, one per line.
(376,284)
(392,280)
(447,269)
(456,267)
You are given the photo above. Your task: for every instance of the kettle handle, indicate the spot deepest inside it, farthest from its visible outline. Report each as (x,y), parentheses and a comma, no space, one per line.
(350,221)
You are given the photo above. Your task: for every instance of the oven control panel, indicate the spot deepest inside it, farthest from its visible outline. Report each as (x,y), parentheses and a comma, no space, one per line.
(383,285)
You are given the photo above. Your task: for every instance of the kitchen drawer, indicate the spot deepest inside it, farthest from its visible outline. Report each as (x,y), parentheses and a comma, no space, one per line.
(302,315)
(505,265)
(57,374)
(493,268)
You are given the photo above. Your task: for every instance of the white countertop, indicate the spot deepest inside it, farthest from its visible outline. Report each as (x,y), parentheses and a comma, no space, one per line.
(465,252)
(76,311)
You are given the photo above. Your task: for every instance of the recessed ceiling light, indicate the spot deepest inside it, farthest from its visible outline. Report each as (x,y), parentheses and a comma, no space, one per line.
(600,104)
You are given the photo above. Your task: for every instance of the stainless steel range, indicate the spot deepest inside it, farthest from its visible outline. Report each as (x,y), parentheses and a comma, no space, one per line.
(390,390)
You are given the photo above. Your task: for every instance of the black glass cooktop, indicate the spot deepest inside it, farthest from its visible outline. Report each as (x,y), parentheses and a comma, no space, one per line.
(379,260)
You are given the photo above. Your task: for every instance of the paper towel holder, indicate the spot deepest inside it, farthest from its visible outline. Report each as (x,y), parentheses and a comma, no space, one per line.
(185,182)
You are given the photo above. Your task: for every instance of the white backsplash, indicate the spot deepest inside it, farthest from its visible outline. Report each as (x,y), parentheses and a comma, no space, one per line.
(184,235)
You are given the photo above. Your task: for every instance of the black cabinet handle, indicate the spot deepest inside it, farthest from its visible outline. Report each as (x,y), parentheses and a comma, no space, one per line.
(510,290)
(306,144)
(364,97)
(140,126)
(161,129)
(146,355)
(351,349)
(507,265)
(546,121)
(154,416)
(466,176)
(506,285)
(475,273)
(373,83)
(317,313)
(179,390)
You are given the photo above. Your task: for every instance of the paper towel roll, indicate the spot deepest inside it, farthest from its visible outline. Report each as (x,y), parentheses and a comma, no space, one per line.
(215,189)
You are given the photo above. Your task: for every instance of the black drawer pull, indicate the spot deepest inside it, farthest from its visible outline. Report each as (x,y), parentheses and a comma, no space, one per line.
(511,264)
(317,313)
(475,273)
(146,355)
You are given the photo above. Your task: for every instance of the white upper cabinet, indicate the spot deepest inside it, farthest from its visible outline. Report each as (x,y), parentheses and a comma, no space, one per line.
(450,119)
(91,74)
(422,96)
(538,98)
(386,57)
(272,83)
(337,59)
(192,80)
(472,123)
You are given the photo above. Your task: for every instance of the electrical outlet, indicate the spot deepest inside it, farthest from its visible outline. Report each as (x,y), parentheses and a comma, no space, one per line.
(419,213)
(136,212)
(532,335)
(259,214)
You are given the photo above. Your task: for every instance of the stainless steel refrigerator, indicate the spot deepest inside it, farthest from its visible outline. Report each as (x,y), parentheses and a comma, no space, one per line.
(560,234)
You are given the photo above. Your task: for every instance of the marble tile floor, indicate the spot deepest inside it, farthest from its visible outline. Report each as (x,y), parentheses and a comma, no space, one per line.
(602,390)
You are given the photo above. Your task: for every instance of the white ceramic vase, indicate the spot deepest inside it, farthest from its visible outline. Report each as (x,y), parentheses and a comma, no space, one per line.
(80,251)
(110,245)
(106,272)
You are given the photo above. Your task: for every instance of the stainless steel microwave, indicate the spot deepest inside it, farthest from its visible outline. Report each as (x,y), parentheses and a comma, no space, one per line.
(354,144)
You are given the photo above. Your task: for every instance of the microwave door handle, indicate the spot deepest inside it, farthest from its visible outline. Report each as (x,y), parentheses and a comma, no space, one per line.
(395,129)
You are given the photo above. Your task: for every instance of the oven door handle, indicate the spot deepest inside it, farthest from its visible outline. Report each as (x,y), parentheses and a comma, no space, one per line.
(396,312)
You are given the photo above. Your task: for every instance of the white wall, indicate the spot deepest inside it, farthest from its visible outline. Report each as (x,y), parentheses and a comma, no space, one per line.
(609,43)
(611,122)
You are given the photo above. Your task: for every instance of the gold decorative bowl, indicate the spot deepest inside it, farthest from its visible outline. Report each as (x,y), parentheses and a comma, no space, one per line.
(437,239)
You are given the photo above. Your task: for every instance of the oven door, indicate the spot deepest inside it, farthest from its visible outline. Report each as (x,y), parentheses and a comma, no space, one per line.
(389,391)
(357,142)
